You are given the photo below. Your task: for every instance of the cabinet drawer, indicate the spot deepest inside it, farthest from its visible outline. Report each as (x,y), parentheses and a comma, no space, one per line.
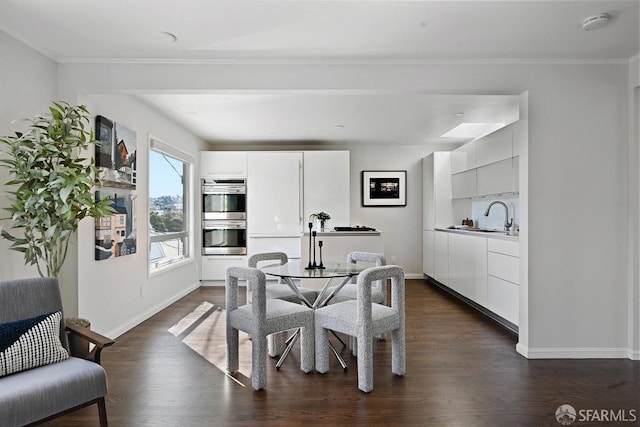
(289,245)
(507,247)
(215,267)
(503,299)
(503,266)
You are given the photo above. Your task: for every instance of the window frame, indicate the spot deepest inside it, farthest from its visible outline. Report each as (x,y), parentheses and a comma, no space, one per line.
(187,236)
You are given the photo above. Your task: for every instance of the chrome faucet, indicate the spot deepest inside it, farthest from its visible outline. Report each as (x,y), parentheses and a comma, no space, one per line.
(507,223)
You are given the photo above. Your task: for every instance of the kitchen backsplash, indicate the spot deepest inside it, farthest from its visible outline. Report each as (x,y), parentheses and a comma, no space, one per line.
(495,220)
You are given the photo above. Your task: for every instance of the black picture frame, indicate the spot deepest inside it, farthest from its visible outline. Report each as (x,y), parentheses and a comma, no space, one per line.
(384,188)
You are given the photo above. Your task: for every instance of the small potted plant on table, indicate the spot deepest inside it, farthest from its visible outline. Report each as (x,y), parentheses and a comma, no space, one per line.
(321,218)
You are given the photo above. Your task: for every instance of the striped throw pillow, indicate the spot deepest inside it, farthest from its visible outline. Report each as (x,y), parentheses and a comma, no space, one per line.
(29,343)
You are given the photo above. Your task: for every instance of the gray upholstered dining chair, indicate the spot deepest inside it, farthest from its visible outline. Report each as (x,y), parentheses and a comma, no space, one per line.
(40,378)
(364,320)
(279,290)
(350,290)
(276,342)
(261,318)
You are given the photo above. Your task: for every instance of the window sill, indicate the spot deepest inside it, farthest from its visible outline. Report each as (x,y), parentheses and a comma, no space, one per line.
(171,266)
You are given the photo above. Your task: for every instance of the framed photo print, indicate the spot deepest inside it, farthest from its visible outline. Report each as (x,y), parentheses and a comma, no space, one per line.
(384,188)
(116,155)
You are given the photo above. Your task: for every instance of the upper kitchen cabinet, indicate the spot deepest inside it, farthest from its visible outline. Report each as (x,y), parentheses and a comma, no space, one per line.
(223,164)
(495,178)
(463,185)
(496,165)
(464,158)
(274,200)
(495,147)
(326,185)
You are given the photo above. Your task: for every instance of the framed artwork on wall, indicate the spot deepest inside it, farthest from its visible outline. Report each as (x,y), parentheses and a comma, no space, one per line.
(384,188)
(116,155)
(116,234)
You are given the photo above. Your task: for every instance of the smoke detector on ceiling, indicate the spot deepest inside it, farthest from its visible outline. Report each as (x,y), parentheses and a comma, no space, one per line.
(596,21)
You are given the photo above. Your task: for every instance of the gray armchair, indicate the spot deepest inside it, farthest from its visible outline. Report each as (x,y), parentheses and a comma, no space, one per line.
(39,380)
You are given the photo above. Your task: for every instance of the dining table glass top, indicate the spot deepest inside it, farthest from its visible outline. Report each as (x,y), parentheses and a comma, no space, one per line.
(295,269)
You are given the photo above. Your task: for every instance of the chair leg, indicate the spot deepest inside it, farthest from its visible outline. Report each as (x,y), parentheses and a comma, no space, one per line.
(398,352)
(365,363)
(322,349)
(307,345)
(259,362)
(102,412)
(232,349)
(276,343)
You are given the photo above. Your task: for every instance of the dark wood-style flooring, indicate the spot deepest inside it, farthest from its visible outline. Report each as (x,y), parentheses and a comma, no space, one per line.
(462,370)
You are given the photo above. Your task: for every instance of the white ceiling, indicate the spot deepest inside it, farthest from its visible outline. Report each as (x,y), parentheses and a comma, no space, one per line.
(361,31)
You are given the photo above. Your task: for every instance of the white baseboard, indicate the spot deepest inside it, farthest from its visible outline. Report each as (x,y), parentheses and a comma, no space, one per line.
(634,354)
(414,276)
(151,311)
(573,353)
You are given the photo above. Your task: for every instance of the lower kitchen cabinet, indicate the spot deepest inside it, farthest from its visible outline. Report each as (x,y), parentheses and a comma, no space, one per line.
(503,279)
(468,266)
(482,269)
(441,258)
(214,267)
(428,252)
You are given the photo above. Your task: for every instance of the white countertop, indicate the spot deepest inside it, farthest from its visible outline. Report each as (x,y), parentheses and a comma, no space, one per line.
(512,235)
(332,233)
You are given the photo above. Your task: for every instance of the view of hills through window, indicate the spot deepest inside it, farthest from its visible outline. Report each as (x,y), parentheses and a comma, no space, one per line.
(167,212)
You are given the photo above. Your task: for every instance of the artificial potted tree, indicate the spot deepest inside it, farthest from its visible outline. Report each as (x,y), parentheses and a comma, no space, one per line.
(321,217)
(52,185)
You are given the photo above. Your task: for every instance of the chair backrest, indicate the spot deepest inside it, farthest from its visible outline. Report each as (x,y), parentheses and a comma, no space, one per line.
(258,282)
(267,256)
(25,298)
(365,280)
(374,258)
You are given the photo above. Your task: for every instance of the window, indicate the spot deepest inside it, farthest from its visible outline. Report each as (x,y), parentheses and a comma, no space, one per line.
(169,205)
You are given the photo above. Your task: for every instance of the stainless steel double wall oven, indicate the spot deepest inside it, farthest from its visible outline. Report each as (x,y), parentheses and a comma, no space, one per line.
(224,216)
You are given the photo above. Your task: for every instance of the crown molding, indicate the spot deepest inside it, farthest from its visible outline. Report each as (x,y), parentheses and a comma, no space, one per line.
(364,62)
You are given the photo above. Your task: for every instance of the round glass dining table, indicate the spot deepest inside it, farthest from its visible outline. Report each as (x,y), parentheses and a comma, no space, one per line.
(295,269)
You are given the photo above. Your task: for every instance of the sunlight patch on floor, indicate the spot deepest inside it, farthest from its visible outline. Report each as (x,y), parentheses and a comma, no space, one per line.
(204,331)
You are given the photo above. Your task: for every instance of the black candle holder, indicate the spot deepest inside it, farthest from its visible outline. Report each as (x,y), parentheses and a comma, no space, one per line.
(309,266)
(313,234)
(320,266)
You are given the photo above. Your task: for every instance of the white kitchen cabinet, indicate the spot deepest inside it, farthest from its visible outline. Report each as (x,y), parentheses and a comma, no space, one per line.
(468,266)
(428,252)
(327,186)
(495,147)
(502,298)
(503,278)
(223,164)
(257,244)
(516,174)
(464,158)
(463,185)
(441,258)
(274,201)
(214,267)
(495,178)
(437,210)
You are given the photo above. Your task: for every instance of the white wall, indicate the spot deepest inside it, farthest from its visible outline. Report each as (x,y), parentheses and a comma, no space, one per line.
(28,86)
(117,294)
